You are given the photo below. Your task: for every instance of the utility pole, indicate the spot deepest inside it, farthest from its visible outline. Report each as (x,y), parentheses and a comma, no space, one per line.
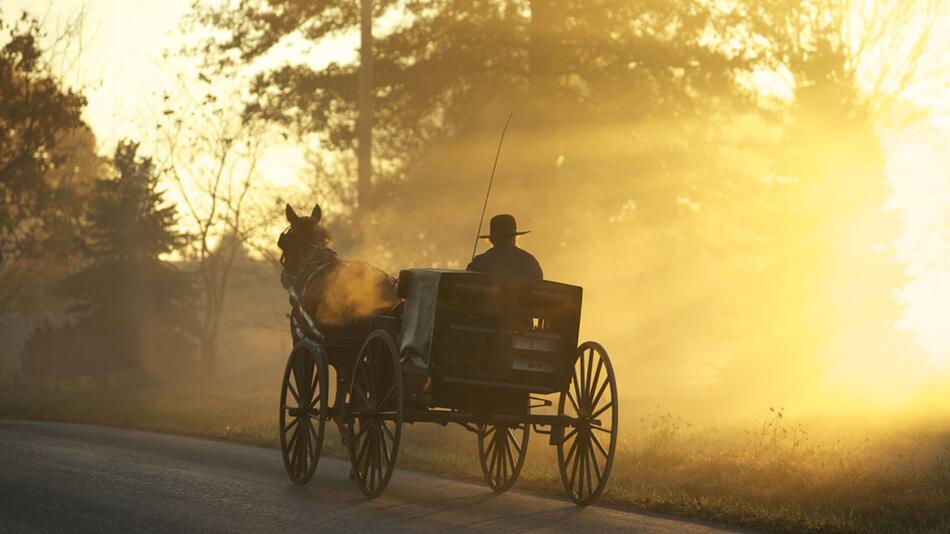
(364,121)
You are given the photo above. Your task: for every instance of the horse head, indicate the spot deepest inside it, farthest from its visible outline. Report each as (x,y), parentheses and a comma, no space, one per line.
(302,239)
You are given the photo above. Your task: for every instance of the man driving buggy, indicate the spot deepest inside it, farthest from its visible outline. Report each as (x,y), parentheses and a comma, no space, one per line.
(505,257)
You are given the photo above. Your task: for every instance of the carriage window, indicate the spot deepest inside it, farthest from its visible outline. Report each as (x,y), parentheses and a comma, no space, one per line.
(538,324)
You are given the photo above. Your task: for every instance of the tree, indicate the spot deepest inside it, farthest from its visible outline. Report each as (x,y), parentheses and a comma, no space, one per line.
(47,153)
(126,292)
(584,78)
(211,155)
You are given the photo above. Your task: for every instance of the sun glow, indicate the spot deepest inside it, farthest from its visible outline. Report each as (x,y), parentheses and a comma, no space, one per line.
(918,169)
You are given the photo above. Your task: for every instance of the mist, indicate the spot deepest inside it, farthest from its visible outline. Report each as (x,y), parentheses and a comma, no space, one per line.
(752,195)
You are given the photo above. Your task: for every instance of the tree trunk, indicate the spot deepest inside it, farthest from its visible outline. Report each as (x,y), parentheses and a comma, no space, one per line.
(544,147)
(543,54)
(364,122)
(208,355)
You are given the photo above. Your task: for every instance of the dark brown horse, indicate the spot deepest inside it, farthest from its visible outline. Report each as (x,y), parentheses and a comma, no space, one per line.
(342,297)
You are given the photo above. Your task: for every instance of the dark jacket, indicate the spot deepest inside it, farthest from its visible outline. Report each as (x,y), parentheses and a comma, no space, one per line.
(507,258)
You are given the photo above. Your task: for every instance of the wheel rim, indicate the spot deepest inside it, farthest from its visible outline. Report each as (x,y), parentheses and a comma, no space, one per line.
(303,412)
(501,451)
(376,394)
(586,452)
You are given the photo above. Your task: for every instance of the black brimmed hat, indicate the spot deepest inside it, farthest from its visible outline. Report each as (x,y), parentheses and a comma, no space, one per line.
(503,225)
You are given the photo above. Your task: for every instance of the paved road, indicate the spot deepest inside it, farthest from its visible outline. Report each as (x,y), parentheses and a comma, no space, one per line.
(71,478)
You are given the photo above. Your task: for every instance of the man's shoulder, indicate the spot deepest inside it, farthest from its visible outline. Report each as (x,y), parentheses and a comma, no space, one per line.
(525,254)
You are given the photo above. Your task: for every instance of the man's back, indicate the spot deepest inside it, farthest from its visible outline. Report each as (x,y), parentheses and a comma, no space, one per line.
(507,258)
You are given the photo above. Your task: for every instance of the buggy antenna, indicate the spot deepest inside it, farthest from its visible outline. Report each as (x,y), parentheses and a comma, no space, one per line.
(490,180)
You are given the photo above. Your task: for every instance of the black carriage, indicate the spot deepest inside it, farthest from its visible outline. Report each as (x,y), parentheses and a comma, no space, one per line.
(478,350)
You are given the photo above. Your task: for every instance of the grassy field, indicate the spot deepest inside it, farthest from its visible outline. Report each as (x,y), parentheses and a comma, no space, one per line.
(773,475)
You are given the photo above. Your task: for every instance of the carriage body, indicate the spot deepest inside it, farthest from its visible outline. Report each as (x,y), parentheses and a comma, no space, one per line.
(485,342)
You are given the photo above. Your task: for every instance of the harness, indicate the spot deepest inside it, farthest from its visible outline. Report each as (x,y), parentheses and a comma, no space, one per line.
(316,260)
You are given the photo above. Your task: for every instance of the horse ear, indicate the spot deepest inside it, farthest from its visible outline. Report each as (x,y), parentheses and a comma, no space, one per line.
(316,213)
(292,216)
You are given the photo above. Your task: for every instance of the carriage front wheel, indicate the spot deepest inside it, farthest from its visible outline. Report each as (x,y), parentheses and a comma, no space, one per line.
(585,453)
(374,413)
(303,410)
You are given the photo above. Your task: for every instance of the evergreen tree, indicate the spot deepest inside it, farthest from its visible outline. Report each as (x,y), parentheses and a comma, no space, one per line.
(126,292)
(129,229)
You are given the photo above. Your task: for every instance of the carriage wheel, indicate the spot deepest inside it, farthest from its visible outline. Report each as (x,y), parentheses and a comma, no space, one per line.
(586,452)
(303,411)
(502,450)
(374,425)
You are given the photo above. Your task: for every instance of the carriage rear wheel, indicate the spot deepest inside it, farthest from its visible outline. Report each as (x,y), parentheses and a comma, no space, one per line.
(585,453)
(374,413)
(501,451)
(303,411)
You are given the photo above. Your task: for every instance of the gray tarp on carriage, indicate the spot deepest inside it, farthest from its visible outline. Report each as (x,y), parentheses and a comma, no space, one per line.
(489,329)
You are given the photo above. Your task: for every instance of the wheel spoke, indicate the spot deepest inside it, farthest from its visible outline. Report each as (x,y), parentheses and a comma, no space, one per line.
(491,446)
(504,464)
(293,391)
(569,435)
(364,374)
(387,396)
(290,425)
(600,394)
(493,465)
(377,469)
(308,451)
(593,459)
(593,383)
(313,433)
(297,448)
(587,451)
(577,408)
(385,446)
(602,410)
(293,438)
(602,429)
(370,462)
(381,467)
(572,451)
(392,437)
(599,445)
(501,461)
(515,441)
(361,432)
(362,394)
(511,458)
(582,377)
(576,465)
(575,384)
(315,375)
(299,374)
(361,455)
(590,373)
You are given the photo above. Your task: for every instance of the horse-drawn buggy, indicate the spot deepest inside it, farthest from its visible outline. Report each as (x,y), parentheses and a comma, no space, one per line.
(484,351)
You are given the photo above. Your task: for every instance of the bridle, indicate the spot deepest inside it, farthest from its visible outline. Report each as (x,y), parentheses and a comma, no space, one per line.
(314,259)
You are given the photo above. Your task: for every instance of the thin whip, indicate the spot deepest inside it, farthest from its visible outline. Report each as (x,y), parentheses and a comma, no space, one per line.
(490,180)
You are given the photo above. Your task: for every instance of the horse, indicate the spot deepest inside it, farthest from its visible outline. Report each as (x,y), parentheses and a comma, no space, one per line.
(341,297)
